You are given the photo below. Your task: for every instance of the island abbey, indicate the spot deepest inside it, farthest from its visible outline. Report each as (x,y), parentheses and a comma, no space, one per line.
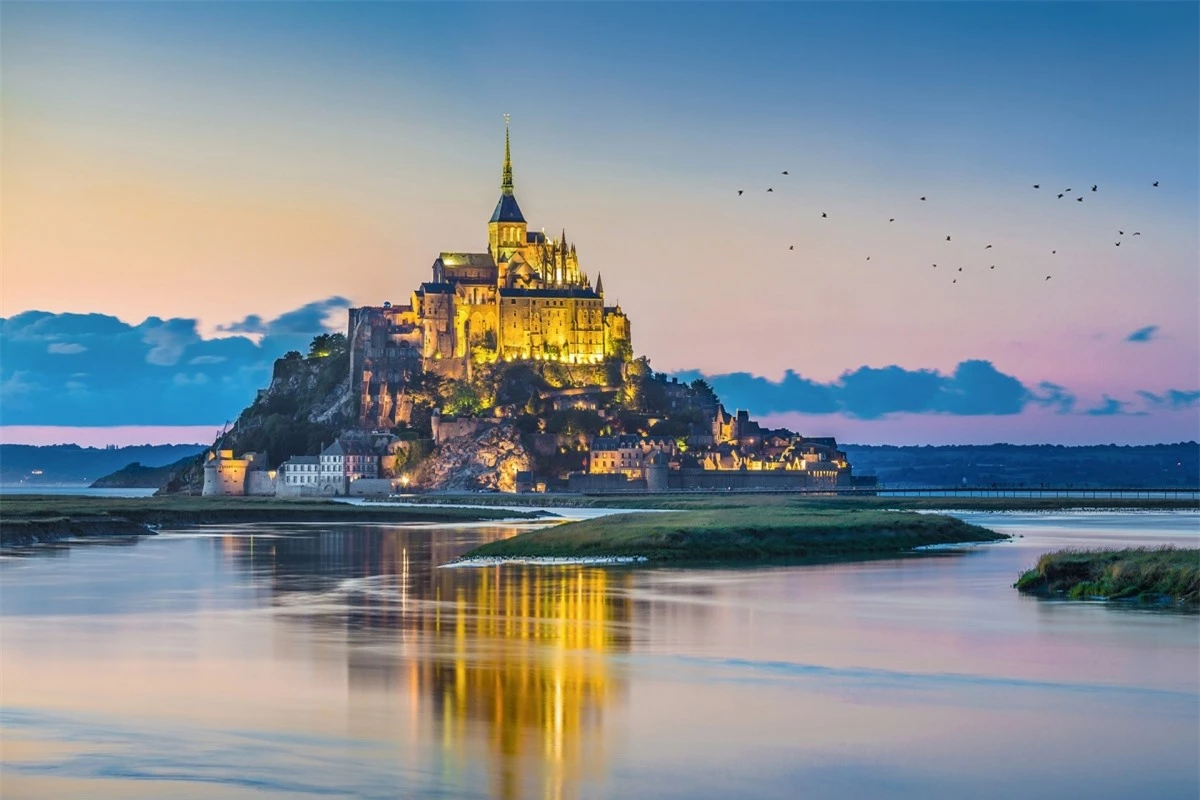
(525,298)
(505,371)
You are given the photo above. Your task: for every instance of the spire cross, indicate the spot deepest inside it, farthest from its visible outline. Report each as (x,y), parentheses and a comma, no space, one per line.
(506,181)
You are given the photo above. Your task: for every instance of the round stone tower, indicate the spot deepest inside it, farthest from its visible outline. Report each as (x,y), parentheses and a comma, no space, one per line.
(656,473)
(212,479)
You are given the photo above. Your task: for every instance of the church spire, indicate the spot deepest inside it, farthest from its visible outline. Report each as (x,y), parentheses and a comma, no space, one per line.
(507,209)
(506,181)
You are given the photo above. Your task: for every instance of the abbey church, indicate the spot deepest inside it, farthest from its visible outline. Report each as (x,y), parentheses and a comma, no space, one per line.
(525,298)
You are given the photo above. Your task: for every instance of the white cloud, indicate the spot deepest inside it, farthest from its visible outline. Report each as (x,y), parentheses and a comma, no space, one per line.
(66,348)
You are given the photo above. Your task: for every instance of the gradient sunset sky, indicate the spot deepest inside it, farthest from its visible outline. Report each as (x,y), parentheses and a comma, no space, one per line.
(233,165)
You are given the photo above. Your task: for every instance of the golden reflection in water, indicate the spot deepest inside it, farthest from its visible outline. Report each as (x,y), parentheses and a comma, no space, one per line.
(528,660)
(512,656)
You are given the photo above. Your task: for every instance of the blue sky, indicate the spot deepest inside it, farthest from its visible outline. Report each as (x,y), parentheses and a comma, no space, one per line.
(209,162)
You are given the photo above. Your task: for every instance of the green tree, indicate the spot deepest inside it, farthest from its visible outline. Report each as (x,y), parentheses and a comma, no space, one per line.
(327,344)
(462,399)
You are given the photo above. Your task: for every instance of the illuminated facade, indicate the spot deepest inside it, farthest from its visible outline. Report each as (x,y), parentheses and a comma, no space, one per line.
(525,298)
(227,475)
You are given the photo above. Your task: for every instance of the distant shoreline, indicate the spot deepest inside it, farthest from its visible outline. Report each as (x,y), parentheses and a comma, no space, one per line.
(815,502)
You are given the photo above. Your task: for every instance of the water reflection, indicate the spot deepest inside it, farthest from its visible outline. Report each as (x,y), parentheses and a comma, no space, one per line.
(311,661)
(521,651)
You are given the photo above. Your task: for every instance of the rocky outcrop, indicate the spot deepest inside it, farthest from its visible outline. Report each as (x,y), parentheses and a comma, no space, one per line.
(136,476)
(305,407)
(489,459)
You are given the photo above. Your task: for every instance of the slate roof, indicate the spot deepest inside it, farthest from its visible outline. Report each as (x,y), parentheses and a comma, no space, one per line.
(467,260)
(436,288)
(581,294)
(625,441)
(297,460)
(507,210)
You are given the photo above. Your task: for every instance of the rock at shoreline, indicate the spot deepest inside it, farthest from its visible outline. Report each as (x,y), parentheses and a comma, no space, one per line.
(489,460)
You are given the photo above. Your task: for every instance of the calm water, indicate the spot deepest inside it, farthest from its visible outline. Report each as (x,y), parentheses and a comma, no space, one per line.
(317,661)
(75,491)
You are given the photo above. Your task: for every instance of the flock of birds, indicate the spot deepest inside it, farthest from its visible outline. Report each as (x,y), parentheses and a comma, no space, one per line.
(1061,195)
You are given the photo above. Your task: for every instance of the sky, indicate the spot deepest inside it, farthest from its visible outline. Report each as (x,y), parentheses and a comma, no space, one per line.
(188,188)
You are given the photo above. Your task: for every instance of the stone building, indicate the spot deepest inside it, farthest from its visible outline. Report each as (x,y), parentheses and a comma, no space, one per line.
(226,475)
(525,298)
(300,474)
(627,454)
(343,463)
(736,428)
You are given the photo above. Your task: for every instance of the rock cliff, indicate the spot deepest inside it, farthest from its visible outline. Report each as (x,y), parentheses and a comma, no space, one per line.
(489,459)
(304,408)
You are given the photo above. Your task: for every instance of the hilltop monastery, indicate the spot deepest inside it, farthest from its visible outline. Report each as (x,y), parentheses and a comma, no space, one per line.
(524,297)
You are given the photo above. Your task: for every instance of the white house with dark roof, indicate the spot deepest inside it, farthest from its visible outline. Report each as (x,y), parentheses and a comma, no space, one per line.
(301,472)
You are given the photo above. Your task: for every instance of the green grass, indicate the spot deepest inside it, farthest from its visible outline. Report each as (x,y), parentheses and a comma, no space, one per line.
(724,500)
(742,534)
(1148,574)
(24,518)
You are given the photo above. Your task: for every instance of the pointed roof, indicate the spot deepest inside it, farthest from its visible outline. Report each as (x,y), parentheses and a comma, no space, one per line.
(506,181)
(599,284)
(507,209)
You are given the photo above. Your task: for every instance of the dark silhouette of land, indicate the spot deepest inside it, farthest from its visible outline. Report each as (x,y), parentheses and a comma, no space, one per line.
(1157,466)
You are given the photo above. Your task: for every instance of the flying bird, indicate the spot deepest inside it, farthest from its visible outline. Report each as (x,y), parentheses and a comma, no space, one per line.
(922,199)
(868,258)
(1060,195)
(1037,186)
(893,219)
(1052,252)
(1094,187)
(824,215)
(1118,244)
(989,247)
(791,247)
(740,192)
(1066,190)
(1047,277)
(1137,233)
(935,266)
(993,266)
(1079,199)
(954,281)
(960,269)
(785,172)
(1156,183)
(947,238)
(770,190)
(1120,233)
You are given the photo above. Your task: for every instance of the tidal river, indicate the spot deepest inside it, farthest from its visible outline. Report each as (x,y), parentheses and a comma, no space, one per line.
(339,661)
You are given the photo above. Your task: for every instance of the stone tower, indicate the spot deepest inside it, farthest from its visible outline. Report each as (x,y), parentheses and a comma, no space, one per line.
(507,227)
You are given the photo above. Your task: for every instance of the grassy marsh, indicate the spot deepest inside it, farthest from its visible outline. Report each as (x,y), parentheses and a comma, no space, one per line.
(26,519)
(1141,573)
(742,534)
